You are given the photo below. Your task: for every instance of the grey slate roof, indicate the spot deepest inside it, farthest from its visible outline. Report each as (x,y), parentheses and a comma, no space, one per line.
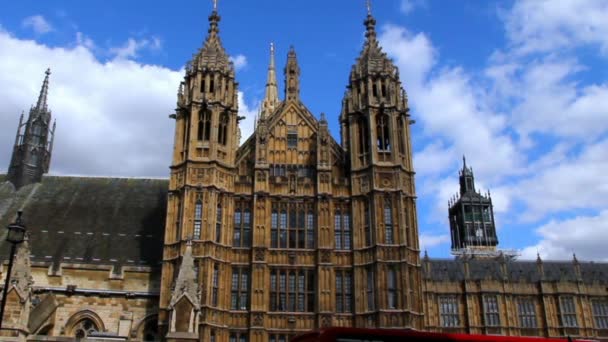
(516,271)
(117,221)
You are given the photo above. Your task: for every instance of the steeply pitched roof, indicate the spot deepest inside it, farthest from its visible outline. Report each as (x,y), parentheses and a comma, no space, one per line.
(516,271)
(90,220)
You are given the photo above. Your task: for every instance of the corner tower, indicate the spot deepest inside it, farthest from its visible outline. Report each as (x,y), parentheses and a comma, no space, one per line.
(200,192)
(375,127)
(33,143)
(471,216)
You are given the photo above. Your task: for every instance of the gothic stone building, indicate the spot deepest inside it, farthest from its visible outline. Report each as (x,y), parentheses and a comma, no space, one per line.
(288,232)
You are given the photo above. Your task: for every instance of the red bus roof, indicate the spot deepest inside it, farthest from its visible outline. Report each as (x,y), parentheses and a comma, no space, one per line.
(390,335)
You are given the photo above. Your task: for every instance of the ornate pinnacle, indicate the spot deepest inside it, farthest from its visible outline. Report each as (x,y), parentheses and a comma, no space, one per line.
(41,105)
(215,5)
(369,7)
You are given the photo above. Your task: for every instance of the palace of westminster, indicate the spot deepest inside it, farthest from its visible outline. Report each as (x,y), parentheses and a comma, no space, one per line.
(288,232)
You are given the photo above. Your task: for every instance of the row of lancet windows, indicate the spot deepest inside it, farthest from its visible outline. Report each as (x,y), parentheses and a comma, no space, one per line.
(449,312)
(293,225)
(383,135)
(293,290)
(204,127)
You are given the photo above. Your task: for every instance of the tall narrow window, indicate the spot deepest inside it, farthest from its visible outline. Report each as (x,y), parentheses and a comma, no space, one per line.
(367,224)
(490,310)
(342,231)
(292,290)
(238,336)
(283,229)
(344,291)
(383,132)
(274,228)
(391,282)
(242,225)
(400,135)
(222,134)
(363,139)
(310,230)
(204,125)
(216,284)
(178,221)
(369,290)
(240,289)
(198,214)
(526,312)
(218,222)
(388,221)
(212,336)
(338,229)
(293,228)
(600,313)
(448,311)
(568,311)
(292,139)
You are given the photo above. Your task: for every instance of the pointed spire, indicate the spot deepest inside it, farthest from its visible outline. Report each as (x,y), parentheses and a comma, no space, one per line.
(292,76)
(271,99)
(212,54)
(186,283)
(369,7)
(323,118)
(41,105)
(464,162)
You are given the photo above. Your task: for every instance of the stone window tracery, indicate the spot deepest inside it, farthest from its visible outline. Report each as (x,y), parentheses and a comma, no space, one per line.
(84,328)
(222,133)
(198,214)
(292,225)
(242,225)
(388,221)
(344,289)
(383,133)
(204,125)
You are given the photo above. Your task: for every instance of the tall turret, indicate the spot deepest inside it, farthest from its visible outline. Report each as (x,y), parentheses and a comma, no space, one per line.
(33,143)
(471,216)
(292,77)
(375,127)
(200,190)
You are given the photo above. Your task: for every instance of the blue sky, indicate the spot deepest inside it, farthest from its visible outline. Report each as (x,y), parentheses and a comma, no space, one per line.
(520,87)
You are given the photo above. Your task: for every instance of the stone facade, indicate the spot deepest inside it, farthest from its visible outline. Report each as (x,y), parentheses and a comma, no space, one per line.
(288,232)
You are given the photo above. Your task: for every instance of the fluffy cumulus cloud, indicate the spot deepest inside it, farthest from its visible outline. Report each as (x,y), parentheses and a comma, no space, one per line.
(112,116)
(240,61)
(408,6)
(38,24)
(547,25)
(533,128)
(586,236)
(131,48)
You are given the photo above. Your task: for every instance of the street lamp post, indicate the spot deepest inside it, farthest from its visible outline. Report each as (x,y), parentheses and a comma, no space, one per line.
(15,236)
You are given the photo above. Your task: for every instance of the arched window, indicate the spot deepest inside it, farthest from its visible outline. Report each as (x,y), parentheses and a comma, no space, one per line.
(222,134)
(388,221)
(218,221)
(293,229)
(247,228)
(204,125)
(274,227)
(383,132)
(84,328)
(363,137)
(198,214)
(216,284)
(392,288)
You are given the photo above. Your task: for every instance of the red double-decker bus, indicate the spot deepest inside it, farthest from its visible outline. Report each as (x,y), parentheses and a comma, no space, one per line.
(394,335)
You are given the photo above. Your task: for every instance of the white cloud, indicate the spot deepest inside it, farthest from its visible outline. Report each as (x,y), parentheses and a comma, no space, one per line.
(584,235)
(548,25)
(246,125)
(428,241)
(38,24)
(131,48)
(82,39)
(240,61)
(408,6)
(112,118)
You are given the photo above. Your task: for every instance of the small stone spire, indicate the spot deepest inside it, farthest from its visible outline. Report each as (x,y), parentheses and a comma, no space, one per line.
(212,55)
(292,76)
(271,99)
(41,105)
(186,283)
(369,7)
